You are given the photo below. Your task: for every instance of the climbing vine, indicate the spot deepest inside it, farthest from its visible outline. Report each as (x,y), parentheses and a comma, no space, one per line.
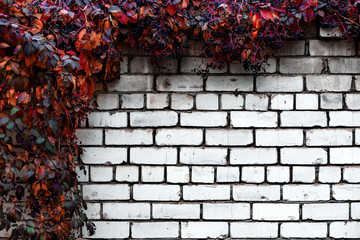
(53,51)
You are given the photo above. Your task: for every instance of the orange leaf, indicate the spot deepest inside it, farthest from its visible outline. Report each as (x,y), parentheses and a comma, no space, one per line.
(4,45)
(267,14)
(95,39)
(82,33)
(256,21)
(185,3)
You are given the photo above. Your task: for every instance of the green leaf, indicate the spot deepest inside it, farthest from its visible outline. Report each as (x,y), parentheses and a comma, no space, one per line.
(40,140)
(20,124)
(53,125)
(4,120)
(34,132)
(14,110)
(2,135)
(30,230)
(10,125)
(50,147)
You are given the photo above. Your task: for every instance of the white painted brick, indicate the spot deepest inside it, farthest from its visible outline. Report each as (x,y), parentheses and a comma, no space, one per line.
(126,211)
(101,174)
(346,192)
(153,118)
(279,137)
(106,119)
(304,174)
(207,101)
(329,174)
(178,174)
(124,66)
(303,119)
(182,101)
(357,136)
(352,174)
(204,229)
(238,67)
(180,83)
(254,119)
(309,156)
(193,65)
(129,137)
(107,101)
(307,101)
(277,174)
(159,192)
(157,101)
(99,155)
(344,65)
(222,137)
(321,83)
(291,48)
(344,155)
(353,101)
(155,230)
(331,48)
(331,101)
(82,173)
(127,173)
(297,192)
(176,211)
(143,65)
(275,212)
(355,211)
(203,156)
(202,174)
(345,230)
(106,230)
(230,101)
(301,65)
(326,211)
(203,119)
(93,210)
(330,32)
(132,101)
(279,84)
(253,156)
(206,192)
(179,136)
(329,137)
(89,136)
(282,102)
(131,83)
(344,118)
(303,230)
(253,174)
(256,102)
(251,230)
(230,83)
(248,192)
(357,83)
(152,174)
(227,174)
(196,48)
(106,192)
(231,211)
(153,156)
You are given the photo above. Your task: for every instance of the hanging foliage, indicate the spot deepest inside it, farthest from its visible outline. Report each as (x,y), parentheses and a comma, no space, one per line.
(52,52)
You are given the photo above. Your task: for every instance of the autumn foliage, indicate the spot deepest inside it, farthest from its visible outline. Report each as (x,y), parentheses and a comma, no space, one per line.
(53,51)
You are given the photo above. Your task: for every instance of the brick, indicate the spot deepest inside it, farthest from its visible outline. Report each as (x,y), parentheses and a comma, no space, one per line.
(331,101)
(291,48)
(253,156)
(163,192)
(132,83)
(206,192)
(179,83)
(344,118)
(124,65)
(227,174)
(106,119)
(237,67)
(279,84)
(99,155)
(101,174)
(192,65)
(196,48)
(231,211)
(157,101)
(249,192)
(323,83)
(253,174)
(301,65)
(93,211)
(307,101)
(345,230)
(331,48)
(230,83)
(256,102)
(178,174)
(220,137)
(202,174)
(330,32)
(357,83)
(152,174)
(326,211)
(207,101)
(357,136)
(277,174)
(106,230)
(232,102)
(106,192)
(126,211)
(346,192)
(82,173)
(344,65)
(329,137)
(279,137)
(204,229)
(127,173)
(345,155)
(203,156)
(107,101)
(304,174)
(282,102)
(355,211)
(129,137)
(155,230)
(303,119)
(153,156)
(89,136)
(251,230)
(351,174)
(176,211)
(203,119)
(153,119)
(182,101)
(353,101)
(329,174)
(132,101)
(275,212)
(298,192)
(303,230)
(143,65)
(253,119)
(179,136)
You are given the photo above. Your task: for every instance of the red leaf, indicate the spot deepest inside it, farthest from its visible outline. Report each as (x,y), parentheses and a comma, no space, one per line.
(4,45)
(124,19)
(171,9)
(267,14)
(22,96)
